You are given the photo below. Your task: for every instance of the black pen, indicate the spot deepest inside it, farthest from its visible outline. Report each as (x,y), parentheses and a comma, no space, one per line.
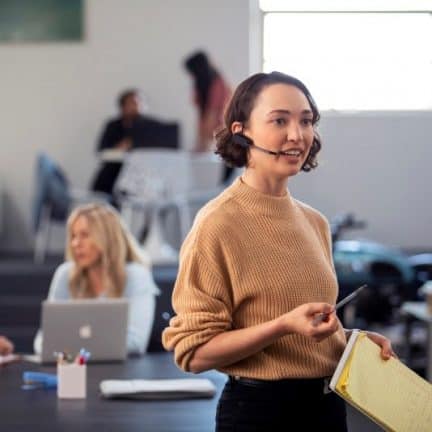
(320,317)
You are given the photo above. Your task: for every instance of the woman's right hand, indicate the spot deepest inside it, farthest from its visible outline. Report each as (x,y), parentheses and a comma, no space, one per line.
(125,144)
(315,320)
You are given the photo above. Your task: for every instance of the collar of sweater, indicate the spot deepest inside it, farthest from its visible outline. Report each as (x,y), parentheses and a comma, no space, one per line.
(259,202)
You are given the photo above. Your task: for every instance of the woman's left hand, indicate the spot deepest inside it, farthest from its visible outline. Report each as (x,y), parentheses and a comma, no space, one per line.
(6,346)
(384,343)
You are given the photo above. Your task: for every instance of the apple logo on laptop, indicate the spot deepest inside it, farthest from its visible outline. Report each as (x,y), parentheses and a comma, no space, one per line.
(85,331)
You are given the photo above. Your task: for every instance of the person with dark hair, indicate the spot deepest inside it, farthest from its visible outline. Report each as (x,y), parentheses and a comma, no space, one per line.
(256,287)
(211,93)
(131,129)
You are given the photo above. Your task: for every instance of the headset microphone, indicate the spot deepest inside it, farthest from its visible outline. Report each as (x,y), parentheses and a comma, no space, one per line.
(245,142)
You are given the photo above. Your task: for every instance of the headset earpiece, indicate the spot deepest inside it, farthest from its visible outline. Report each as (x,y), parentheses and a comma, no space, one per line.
(242,140)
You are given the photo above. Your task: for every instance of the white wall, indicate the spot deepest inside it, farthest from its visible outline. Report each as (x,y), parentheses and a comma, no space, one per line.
(377,165)
(55,97)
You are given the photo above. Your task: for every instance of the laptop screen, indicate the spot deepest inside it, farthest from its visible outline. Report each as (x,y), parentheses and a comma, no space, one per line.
(97,325)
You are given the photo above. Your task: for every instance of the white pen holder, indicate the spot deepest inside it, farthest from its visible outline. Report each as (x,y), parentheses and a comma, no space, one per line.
(71,381)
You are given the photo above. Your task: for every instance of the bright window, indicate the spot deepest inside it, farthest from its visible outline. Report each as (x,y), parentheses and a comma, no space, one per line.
(373,59)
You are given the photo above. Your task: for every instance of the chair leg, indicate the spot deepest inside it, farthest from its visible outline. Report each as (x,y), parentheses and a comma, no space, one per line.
(127,213)
(159,250)
(184,214)
(42,236)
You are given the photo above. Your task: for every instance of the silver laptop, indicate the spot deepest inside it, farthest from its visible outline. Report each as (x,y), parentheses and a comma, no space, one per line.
(97,325)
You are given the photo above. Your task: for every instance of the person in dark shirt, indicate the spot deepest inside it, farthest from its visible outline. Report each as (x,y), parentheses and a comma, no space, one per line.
(130,130)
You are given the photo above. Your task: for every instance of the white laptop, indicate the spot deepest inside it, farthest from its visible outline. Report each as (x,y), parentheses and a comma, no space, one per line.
(97,325)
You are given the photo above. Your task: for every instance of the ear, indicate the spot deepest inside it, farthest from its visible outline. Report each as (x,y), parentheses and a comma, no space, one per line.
(236,127)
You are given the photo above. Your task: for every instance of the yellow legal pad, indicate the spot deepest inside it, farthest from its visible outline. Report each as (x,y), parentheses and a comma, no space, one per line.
(386,391)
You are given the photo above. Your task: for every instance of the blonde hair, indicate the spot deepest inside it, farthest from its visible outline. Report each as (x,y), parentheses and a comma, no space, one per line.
(116,244)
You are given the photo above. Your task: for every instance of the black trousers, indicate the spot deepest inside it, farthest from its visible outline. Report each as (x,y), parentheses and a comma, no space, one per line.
(285,405)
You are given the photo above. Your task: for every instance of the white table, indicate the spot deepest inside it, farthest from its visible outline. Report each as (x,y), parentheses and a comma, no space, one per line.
(112,155)
(419,311)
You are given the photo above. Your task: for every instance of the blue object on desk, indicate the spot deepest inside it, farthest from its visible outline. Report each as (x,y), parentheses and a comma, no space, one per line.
(39,380)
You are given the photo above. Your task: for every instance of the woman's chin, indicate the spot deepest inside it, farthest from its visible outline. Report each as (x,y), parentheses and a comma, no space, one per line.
(290,171)
(85,264)
(82,264)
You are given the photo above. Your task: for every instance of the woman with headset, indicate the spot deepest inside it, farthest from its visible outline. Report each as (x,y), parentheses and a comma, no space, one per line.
(256,288)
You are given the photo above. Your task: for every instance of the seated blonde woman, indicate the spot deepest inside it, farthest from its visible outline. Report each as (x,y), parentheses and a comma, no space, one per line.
(103,260)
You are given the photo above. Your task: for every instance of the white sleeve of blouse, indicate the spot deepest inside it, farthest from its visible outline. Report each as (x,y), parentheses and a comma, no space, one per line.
(141,291)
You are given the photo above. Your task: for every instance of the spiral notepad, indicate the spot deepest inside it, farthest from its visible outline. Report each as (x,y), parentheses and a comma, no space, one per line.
(385,390)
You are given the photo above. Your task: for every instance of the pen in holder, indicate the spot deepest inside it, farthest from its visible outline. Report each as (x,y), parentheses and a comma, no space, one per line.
(72,381)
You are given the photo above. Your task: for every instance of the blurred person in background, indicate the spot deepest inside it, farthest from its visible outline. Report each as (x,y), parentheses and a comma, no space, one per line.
(211,93)
(131,129)
(104,261)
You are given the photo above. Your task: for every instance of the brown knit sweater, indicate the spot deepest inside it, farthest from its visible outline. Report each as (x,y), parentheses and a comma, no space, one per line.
(249,258)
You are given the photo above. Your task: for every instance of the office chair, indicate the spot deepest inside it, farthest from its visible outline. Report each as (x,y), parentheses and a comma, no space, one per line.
(53,199)
(153,180)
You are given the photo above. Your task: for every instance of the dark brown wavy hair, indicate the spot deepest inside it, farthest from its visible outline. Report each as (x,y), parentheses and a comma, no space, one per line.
(239,109)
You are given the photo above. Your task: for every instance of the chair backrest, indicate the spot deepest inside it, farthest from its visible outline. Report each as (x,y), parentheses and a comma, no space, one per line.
(165,173)
(205,171)
(52,190)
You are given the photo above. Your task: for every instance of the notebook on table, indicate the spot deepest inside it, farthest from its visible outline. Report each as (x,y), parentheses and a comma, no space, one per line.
(183,388)
(387,391)
(98,325)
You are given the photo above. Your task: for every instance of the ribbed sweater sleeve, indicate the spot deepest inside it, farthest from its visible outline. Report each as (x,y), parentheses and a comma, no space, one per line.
(201,302)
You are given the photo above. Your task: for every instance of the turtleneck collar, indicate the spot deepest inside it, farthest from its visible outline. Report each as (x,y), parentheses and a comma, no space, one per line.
(259,202)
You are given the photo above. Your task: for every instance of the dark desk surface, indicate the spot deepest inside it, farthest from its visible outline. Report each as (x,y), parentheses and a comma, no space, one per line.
(40,410)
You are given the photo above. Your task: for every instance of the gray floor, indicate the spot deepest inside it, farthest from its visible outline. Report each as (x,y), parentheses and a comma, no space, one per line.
(357,422)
